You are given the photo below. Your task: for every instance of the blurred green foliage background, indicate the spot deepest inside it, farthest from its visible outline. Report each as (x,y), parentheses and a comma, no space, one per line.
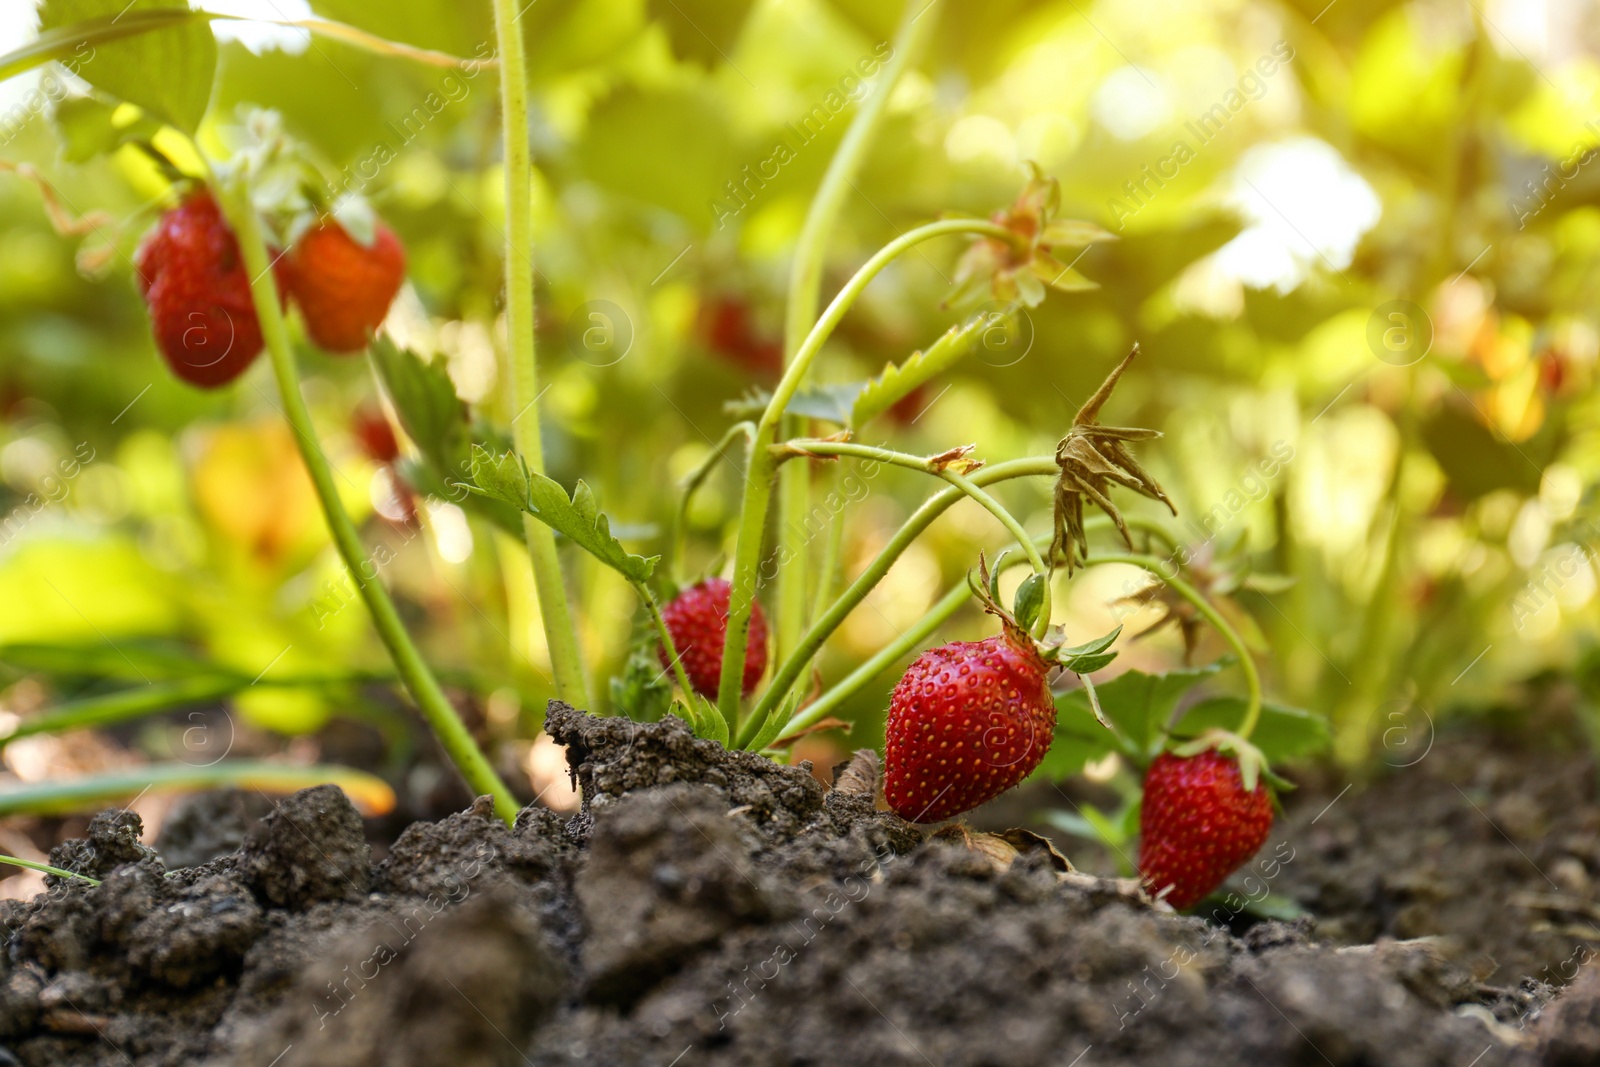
(1279,174)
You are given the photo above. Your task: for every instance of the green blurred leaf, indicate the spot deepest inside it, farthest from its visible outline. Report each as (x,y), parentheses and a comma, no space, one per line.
(689,126)
(87,128)
(166,72)
(702,30)
(425,399)
(1137,704)
(1477,462)
(1282,732)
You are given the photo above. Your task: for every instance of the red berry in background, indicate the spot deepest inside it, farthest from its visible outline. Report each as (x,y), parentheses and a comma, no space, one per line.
(697,619)
(343,287)
(373,429)
(1198,825)
(198,292)
(967,721)
(729,329)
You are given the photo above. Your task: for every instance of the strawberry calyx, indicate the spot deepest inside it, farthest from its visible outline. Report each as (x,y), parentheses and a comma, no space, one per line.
(1253,766)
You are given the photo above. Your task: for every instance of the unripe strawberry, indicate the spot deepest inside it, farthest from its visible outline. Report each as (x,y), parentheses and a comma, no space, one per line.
(1198,824)
(343,287)
(697,619)
(198,292)
(967,721)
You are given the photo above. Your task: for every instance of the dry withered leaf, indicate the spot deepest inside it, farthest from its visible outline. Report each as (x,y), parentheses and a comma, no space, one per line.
(1092,457)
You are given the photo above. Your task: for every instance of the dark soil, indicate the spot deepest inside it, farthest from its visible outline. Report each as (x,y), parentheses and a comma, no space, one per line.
(712,907)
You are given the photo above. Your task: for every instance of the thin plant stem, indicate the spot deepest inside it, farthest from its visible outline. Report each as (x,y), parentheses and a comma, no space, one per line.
(926,466)
(761,469)
(419,680)
(885,657)
(674,657)
(1247,664)
(805,288)
(45,868)
(691,485)
(560,633)
(823,627)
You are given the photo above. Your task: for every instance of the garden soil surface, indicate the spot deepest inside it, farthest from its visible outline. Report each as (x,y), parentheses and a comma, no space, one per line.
(707,907)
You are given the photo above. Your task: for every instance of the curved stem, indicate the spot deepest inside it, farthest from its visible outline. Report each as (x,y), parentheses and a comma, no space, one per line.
(674,657)
(885,657)
(762,467)
(822,628)
(961,482)
(419,680)
(692,484)
(561,636)
(1252,679)
(805,286)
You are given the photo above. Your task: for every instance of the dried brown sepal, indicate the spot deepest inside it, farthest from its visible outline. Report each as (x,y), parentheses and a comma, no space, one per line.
(1092,458)
(958,459)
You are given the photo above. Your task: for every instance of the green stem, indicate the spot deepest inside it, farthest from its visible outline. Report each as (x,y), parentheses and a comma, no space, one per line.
(805,288)
(761,469)
(1247,664)
(673,658)
(961,482)
(823,627)
(691,485)
(419,680)
(45,868)
(887,656)
(561,636)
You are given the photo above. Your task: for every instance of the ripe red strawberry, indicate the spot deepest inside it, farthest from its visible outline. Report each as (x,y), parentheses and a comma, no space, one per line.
(198,291)
(344,288)
(1198,824)
(697,619)
(372,429)
(729,329)
(968,721)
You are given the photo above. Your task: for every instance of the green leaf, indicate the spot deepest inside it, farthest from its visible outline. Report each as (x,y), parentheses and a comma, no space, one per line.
(895,383)
(425,399)
(1137,704)
(506,477)
(166,72)
(831,403)
(1282,733)
(1029,599)
(88,128)
(1089,663)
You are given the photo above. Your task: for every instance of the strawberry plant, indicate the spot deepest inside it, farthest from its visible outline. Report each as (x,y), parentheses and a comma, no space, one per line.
(256,249)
